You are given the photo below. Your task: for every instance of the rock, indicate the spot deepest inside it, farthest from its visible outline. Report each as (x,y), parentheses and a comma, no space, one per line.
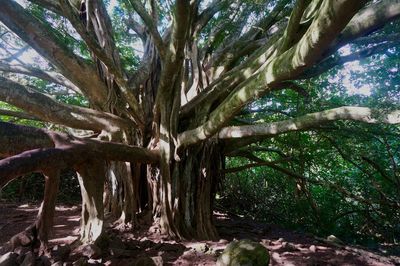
(334,240)
(223,241)
(9,259)
(266,242)
(200,247)
(244,252)
(95,262)
(91,251)
(313,248)
(289,247)
(57,263)
(213,252)
(60,252)
(29,259)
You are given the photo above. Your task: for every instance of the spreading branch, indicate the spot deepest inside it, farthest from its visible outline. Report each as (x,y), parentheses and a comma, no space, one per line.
(47,75)
(52,48)
(99,46)
(52,5)
(331,20)
(58,151)
(18,115)
(151,26)
(47,109)
(361,114)
(368,20)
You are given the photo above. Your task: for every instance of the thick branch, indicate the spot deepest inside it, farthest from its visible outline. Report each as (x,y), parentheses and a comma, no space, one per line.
(47,109)
(369,19)
(340,60)
(18,115)
(247,166)
(55,150)
(333,17)
(69,156)
(15,139)
(110,58)
(51,47)
(293,25)
(51,5)
(51,76)
(151,25)
(362,114)
(208,14)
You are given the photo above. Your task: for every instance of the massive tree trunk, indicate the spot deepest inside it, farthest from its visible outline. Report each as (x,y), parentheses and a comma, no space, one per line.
(187,197)
(91,176)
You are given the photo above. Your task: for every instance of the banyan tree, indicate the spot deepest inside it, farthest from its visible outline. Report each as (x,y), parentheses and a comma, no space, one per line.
(160,87)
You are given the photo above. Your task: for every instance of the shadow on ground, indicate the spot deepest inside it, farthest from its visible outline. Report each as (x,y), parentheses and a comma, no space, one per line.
(128,245)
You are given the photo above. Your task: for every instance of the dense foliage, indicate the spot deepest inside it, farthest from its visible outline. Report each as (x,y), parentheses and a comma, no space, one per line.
(347,175)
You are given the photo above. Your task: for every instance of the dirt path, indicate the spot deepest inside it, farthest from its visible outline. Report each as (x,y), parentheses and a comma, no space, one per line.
(285,247)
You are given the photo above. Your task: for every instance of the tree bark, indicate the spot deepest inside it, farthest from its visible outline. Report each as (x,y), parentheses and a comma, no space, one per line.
(187,212)
(91,178)
(46,212)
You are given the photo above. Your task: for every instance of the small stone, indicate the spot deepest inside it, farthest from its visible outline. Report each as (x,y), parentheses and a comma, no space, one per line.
(94,262)
(91,251)
(276,256)
(57,263)
(266,242)
(200,247)
(9,259)
(223,241)
(289,247)
(334,240)
(313,248)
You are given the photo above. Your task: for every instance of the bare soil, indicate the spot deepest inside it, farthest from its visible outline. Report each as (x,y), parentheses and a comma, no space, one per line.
(285,247)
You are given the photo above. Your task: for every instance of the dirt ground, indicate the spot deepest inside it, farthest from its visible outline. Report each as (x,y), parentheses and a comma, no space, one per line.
(285,247)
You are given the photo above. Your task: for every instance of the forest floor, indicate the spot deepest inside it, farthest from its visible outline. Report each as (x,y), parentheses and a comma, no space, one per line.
(126,245)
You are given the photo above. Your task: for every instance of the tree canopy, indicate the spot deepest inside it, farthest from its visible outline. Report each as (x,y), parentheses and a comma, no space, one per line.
(146,100)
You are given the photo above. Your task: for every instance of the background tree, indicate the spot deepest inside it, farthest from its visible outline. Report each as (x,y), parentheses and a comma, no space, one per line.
(170,114)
